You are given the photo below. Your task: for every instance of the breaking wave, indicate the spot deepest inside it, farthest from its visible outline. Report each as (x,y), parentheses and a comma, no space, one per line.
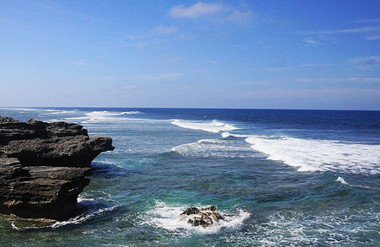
(211,126)
(214,148)
(320,155)
(103,116)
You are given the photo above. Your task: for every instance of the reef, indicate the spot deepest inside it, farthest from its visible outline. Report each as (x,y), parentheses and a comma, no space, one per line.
(43,167)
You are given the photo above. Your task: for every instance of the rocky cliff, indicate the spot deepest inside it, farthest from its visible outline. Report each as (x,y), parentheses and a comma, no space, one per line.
(43,167)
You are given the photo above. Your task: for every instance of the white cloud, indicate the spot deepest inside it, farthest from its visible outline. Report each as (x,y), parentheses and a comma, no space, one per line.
(160,77)
(342,31)
(165,29)
(196,10)
(373,37)
(241,13)
(311,41)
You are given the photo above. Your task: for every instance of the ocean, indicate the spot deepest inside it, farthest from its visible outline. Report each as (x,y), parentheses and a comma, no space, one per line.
(284,177)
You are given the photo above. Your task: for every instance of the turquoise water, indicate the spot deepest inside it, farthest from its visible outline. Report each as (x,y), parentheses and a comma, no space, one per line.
(287,178)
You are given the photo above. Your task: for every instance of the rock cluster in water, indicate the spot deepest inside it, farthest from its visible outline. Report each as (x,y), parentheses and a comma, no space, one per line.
(204,217)
(43,167)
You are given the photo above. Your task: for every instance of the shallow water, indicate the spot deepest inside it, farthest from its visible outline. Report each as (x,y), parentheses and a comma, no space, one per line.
(287,178)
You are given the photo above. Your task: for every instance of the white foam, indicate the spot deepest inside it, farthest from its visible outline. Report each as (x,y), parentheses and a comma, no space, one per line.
(209,126)
(209,141)
(214,148)
(228,134)
(103,117)
(130,112)
(21,109)
(60,112)
(340,179)
(320,155)
(170,218)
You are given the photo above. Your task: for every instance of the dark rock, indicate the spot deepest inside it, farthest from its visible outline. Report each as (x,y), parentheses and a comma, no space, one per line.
(203,217)
(211,208)
(191,210)
(43,167)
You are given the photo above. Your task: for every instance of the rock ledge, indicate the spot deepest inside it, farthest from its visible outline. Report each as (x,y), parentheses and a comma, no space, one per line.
(43,167)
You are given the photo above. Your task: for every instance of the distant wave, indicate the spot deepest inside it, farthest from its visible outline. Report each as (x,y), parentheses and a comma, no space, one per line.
(130,112)
(168,217)
(214,126)
(58,112)
(320,155)
(103,116)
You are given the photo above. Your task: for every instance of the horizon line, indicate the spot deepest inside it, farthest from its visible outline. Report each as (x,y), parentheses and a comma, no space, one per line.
(194,108)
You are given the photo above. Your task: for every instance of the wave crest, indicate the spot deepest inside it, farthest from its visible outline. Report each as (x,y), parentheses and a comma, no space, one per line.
(214,126)
(320,155)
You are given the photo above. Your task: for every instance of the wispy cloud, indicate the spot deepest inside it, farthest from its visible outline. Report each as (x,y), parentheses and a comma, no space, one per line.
(368,20)
(165,29)
(343,31)
(373,37)
(196,10)
(341,79)
(316,65)
(259,83)
(311,41)
(278,68)
(370,60)
(160,77)
(241,13)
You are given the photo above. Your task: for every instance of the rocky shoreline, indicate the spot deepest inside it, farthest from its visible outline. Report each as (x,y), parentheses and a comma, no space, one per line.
(43,167)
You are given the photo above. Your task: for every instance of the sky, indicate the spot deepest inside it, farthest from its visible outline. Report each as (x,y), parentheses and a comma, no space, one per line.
(282,54)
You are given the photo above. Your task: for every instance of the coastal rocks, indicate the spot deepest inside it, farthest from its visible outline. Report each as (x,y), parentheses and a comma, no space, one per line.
(204,217)
(43,167)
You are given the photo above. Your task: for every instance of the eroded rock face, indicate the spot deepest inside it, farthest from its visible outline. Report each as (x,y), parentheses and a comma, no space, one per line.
(43,167)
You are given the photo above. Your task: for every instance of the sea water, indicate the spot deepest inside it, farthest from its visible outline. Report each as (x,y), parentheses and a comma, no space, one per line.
(284,177)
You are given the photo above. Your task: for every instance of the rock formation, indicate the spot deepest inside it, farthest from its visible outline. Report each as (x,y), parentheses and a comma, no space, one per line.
(204,217)
(43,167)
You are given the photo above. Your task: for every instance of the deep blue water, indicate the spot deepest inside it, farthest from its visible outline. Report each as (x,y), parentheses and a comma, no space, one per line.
(286,177)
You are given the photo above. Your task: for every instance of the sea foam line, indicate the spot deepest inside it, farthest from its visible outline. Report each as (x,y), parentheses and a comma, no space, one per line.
(319,155)
(104,116)
(213,126)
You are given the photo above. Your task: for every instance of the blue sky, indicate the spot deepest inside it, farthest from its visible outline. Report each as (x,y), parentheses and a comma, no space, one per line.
(235,54)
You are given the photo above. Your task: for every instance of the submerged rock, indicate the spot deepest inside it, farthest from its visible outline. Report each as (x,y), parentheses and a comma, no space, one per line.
(204,217)
(43,167)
